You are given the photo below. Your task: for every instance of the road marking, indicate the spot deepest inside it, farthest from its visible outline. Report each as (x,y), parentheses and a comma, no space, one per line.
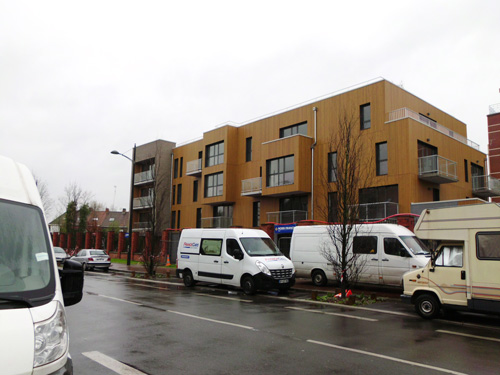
(467,335)
(211,320)
(112,364)
(330,313)
(221,297)
(387,357)
(121,300)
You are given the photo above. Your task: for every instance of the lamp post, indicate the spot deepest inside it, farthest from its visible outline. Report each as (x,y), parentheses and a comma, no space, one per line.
(131,204)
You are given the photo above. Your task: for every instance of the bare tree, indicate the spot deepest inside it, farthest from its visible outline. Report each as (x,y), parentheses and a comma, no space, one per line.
(74,193)
(47,202)
(349,167)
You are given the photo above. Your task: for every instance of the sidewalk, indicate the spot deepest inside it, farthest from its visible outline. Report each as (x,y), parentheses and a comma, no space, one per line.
(300,284)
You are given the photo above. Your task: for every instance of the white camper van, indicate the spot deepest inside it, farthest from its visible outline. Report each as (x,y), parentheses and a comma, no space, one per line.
(464,273)
(246,258)
(33,327)
(386,252)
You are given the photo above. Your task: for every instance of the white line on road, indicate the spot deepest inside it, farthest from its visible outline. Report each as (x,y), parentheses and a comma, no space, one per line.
(210,320)
(387,357)
(121,300)
(112,364)
(221,297)
(335,314)
(467,335)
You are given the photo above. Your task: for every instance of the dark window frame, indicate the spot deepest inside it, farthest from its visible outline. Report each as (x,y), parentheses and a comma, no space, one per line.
(382,164)
(179,194)
(361,245)
(212,184)
(294,130)
(281,171)
(365,111)
(248,153)
(332,166)
(195,190)
(478,246)
(214,154)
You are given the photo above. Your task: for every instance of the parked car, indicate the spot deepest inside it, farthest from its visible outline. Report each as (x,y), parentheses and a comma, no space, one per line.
(93,258)
(60,254)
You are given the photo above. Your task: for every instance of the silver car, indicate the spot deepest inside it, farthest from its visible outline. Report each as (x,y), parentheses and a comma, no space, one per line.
(60,254)
(93,258)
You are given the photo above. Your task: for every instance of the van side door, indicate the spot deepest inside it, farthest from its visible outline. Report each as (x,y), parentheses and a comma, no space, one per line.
(210,260)
(448,274)
(231,267)
(366,249)
(394,262)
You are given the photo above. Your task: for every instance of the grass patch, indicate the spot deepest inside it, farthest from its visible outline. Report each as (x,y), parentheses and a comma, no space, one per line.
(124,261)
(354,300)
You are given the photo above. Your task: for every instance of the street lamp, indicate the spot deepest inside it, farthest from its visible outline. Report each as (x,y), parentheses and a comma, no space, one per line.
(114,152)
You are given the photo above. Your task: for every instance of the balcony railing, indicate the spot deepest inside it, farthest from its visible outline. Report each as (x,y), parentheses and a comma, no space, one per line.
(217,222)
(252,186)
(143,177)
(436,169)
(403,113)
(485,186)
(142,202)
(377,211)
(193,167)
(141,225)
(284,217)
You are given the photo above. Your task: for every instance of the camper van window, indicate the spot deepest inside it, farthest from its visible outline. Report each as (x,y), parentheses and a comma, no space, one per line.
(231,245)
(364,245)
(260,247)
(450,256)
(26,266)
(392,246)
(487,245)
(211,247)
(416,246)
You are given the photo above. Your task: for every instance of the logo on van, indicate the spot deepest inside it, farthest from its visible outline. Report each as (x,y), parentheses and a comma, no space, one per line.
(190,245)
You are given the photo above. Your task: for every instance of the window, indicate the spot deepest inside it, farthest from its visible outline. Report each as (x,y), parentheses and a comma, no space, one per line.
(178,219)
(479,181)
(294,129)
(450,256)
(214,186)
(249,149)
(231,245)
(332,167)
(172,221)
(487,245)
(425,149)
(466,169)
(256,214)
(280,171)
(215,154)
(176,168)
(195,191)
(332,207)
(476,170)
(365,116)
(382,166)
(387,193)
(182,161)
(392,246)
(211,247)
(173,194)
(364,245)
(179,194)
(198,218)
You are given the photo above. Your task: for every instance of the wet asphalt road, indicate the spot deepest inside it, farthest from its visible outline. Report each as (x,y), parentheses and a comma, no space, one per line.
(159,328)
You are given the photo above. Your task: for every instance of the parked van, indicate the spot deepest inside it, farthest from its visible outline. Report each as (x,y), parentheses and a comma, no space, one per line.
(33,294)
(386,252)
(246,258)
(464,273)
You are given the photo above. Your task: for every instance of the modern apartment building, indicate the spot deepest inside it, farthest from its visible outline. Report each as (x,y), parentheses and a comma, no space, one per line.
(494,150)
(270,170)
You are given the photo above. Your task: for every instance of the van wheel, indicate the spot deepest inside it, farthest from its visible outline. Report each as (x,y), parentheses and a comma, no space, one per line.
(188,279)
(318,278)
(248,285)
(427,306)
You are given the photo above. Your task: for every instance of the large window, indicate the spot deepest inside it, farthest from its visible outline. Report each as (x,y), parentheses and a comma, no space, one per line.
(379,194)
(214,154)
(248,149)
(487,245)
(365,116)
(211,247)
(382,159)
(280,171)
(332,167)
(214,185)
(294,129)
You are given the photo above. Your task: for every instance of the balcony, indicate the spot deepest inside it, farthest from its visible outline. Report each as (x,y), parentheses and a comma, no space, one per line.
(377,211)
(217,222)
(403,113)
(142,202)
(193,167)
(485,186)
(285,217)
(143,177)
(251,186)
(141,226)
(436,169)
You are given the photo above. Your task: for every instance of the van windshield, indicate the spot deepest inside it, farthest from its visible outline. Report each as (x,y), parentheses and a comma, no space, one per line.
(259,247)
(26,265)
(416,246)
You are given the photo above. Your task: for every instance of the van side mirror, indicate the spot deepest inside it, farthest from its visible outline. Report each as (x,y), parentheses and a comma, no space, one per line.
(238,254)
(71,282)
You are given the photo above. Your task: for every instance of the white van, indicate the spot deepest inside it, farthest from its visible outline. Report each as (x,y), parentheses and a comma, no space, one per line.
(246,258)
(386,252)
(33,327)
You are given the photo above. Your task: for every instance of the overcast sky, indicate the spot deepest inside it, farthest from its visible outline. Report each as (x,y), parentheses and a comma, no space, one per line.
(81,78)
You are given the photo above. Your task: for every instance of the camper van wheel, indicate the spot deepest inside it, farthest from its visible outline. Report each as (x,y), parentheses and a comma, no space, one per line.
(188,279)
(427,306)
(248,285)
(319,278)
